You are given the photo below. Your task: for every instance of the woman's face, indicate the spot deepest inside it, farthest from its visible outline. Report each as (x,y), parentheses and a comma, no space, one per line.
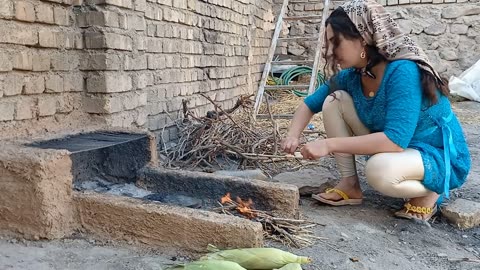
(347,52)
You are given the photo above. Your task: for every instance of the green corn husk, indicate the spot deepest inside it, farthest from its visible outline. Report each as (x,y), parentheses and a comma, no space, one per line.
(256,258)
(208,265)
(291,266)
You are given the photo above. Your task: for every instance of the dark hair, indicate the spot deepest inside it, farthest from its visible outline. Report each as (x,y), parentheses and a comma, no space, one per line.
(341,24)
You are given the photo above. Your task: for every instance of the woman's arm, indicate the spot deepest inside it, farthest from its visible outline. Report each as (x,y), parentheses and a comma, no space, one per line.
(300,120)
(358,145)
(369,144)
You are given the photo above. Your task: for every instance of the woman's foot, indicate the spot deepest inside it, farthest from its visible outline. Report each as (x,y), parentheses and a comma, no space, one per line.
(426,205)
(348,185)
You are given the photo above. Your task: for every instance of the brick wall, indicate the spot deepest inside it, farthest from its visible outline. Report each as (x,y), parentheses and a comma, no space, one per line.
(126,63)
(39,61)
(448,30)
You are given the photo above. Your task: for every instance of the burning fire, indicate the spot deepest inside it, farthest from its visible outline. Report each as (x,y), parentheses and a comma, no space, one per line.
(243,207)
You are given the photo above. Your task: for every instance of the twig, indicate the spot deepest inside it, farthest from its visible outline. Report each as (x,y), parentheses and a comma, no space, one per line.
(332,247)
(218,107)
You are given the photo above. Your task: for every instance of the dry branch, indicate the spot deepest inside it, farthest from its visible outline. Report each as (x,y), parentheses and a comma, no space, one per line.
(228,137)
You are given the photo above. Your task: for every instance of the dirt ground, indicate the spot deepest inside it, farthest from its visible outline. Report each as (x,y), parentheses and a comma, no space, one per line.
(359,237)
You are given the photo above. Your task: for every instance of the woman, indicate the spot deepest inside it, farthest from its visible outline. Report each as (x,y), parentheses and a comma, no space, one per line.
(387,102)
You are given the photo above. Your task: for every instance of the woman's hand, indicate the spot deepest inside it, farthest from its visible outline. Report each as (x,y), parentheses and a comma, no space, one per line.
(315,150)
(290,144)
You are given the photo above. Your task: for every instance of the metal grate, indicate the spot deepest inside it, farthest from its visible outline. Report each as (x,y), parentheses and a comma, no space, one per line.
(89,141)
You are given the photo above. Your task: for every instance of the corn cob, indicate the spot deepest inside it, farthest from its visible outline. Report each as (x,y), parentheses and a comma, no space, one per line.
(257,258)
(208,265)
(291,266)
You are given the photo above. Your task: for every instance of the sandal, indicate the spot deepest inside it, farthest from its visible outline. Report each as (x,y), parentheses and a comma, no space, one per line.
(344,201)
(428,211)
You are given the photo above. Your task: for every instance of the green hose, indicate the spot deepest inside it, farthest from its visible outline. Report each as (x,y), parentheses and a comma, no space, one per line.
(291,73)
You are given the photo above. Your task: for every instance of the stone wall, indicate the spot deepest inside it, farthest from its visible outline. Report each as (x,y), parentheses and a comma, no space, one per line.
(448,30)
(125,63)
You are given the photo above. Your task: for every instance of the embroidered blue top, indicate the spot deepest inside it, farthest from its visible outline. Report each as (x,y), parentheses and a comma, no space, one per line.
(401,111)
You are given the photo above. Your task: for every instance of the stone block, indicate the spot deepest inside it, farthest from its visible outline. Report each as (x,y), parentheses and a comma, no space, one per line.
(62,62)
(133,100)
(61,16)
(94,40)
(7,111)
(136,22)
(78,41)
(118,42)
(23,61)
(68,103)
(6,9)
(181,4)
(24,11)
(435,29)
(140,5)
(156,61)
(142,117)
(156,45)
(139,43)
(109,83)
(171,15)
(464,214)
(102,104)
(6,64)
(44,13)
(136,62)
(54,84)
(459,29)
(91,18)
(53,39)
(191,4)
(12,85)
(34,85)
(154,13)
(448,54)
(24,109)
(73,82)
(122,21)
(151,30)
(101,61)
(40,61)
(47,105)
(453,12)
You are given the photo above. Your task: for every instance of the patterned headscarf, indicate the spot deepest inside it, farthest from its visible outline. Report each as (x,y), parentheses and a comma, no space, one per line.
(378,28)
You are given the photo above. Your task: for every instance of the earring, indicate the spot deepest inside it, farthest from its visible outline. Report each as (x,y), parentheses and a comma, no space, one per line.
(363,55)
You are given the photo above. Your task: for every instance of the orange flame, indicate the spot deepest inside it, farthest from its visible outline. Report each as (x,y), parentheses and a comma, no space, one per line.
(226,198)
(243,207)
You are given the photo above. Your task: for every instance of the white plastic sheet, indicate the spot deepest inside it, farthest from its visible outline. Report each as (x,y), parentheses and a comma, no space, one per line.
(467,84)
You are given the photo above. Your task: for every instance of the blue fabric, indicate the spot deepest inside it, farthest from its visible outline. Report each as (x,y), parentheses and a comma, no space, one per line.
(400,110)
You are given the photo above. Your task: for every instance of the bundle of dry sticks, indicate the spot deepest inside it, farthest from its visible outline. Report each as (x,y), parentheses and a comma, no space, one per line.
(290,232)
(229,138)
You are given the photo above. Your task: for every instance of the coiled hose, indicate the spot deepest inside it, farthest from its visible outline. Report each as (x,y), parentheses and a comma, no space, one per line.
(291,73)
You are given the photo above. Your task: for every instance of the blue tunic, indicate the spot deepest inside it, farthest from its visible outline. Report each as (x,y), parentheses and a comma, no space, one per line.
(403,113)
